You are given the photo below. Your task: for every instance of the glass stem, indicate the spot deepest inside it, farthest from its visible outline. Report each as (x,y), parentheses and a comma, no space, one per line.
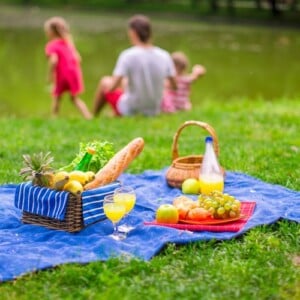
(115,225)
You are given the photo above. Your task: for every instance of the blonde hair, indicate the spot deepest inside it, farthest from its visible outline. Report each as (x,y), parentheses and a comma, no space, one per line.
(180,60)
(61,29)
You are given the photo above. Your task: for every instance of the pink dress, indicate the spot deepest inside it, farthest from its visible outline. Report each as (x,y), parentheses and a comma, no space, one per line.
(68,75)
(179,99)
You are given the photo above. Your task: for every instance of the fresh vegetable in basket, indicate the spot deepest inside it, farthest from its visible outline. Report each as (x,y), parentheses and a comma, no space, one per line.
(104,150)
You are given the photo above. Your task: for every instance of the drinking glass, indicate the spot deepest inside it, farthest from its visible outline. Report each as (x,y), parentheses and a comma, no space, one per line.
(114,212)
(125,195)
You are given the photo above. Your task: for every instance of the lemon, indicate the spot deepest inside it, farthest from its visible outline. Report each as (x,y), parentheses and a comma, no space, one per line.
(79,176)
(74,187)
(60,179)
(90,175)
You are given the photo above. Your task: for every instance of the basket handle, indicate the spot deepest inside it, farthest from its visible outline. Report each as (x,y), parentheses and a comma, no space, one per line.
(203,125)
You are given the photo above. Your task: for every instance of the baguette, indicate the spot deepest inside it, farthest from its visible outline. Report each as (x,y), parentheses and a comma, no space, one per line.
(117,164)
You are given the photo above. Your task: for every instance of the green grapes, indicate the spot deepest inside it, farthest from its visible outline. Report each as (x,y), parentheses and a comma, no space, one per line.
(220,206)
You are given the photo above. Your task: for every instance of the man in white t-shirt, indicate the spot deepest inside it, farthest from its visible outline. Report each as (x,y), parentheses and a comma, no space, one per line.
(136,86)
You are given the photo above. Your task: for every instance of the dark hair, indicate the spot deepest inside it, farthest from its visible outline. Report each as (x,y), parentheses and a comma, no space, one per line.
(142,26)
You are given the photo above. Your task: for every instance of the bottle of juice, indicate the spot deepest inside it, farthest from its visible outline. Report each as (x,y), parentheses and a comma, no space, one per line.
(211,176)
(85,161)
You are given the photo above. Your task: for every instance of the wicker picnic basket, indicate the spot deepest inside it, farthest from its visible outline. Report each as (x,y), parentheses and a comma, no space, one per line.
(187,166)
(62,210)
(68,212)
(73,221)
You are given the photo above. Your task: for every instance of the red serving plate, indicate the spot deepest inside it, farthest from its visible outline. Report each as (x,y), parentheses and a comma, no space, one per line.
(212,221)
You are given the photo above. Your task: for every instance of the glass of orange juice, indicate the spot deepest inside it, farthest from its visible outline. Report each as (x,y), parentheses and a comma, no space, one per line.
(114,212)
(126,196)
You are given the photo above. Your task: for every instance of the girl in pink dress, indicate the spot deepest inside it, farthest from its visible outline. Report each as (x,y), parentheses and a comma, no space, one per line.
(179,99)
(64,65)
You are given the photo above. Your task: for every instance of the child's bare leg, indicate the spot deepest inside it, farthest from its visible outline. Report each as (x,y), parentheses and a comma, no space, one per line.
(99,100)
(55,105)
(81,107)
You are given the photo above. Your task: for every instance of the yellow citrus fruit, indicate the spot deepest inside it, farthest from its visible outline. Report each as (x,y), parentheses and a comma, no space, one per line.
(60,179)
(74,187)
(90,175)
(80,176)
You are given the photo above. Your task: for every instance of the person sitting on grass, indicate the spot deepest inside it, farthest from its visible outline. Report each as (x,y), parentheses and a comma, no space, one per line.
(64,65)
(179,99)
(137,83)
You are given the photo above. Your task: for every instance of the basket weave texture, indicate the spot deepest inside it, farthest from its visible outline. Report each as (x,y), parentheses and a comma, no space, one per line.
(73,221)
(60,209)
(187,166)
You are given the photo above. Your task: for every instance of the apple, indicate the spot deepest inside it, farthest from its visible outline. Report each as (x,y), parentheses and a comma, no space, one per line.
(191,186)
(167,213)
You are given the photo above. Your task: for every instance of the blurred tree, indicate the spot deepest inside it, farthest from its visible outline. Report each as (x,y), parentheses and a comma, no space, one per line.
(230,6)
(293,5)
(274,7)
(214,5)
(258,4)
(194,3)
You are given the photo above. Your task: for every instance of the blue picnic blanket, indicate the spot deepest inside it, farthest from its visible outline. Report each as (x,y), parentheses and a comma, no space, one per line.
(25,248)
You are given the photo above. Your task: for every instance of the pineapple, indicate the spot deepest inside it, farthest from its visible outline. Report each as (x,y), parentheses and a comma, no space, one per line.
(37,169)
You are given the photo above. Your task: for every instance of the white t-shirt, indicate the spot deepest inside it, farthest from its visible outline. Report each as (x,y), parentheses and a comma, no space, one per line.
(146,70)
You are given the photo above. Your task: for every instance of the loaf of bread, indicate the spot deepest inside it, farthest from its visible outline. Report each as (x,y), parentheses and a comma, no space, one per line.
(117,164)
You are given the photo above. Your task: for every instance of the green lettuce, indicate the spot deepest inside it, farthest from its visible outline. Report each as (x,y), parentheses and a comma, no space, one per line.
(104,152)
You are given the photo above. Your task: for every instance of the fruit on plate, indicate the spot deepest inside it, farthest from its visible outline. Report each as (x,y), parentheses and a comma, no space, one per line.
(221,206)
(184,204)
(189,209)
(178,201)
(197,214)
(190,186)
(74,187)
(167,213)
(37,168)
(79,176)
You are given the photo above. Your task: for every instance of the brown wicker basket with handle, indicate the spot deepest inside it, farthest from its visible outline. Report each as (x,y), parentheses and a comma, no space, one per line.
(187,166)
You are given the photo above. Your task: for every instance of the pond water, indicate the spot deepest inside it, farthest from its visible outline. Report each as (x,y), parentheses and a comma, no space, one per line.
(242,62)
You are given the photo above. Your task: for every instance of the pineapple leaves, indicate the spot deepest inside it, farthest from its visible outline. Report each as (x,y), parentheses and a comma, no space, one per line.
(37,167)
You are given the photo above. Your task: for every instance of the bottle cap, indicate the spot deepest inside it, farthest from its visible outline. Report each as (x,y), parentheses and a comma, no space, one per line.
(90,150)
(208,139)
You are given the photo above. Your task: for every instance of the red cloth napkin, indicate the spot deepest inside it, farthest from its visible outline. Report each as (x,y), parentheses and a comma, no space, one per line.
(247,209)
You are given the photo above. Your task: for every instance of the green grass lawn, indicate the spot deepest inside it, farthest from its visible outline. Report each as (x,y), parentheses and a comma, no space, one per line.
(256,137)
(256,117)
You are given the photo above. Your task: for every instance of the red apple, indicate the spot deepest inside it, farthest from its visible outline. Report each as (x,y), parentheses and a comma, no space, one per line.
(167,213)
